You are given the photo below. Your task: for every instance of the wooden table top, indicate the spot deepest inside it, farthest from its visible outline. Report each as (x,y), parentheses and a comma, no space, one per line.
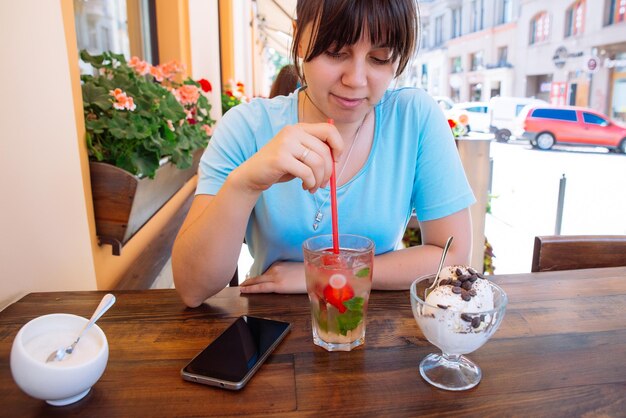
(560,351)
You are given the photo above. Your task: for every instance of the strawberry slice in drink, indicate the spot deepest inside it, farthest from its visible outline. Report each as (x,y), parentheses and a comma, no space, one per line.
(330,259)
(337,291)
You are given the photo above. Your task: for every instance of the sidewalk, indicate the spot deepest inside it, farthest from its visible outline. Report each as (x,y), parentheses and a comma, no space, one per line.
(525,186)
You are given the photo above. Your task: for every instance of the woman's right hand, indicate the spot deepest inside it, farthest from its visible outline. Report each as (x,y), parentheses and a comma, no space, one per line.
(297,151)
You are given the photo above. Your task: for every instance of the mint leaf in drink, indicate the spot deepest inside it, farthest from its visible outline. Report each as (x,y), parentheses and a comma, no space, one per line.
(364,272)
(353,315)
(349,321)
(355,304)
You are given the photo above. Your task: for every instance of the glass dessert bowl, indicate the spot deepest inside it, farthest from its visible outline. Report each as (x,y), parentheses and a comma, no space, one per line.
(458,318)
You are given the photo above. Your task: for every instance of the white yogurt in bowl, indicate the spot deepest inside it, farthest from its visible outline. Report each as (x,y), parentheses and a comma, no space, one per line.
(58,382)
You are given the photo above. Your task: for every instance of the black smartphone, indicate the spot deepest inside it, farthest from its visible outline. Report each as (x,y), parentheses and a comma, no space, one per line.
(233,357)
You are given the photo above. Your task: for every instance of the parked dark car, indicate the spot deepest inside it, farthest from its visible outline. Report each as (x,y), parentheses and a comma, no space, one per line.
(545,126)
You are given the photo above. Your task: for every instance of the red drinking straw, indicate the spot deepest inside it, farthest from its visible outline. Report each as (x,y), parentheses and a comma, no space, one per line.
(333,201)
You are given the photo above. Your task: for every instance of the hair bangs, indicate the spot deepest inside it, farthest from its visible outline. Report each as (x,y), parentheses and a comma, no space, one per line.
(338,23)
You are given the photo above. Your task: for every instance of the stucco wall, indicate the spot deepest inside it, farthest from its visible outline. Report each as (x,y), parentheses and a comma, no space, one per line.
(44,231)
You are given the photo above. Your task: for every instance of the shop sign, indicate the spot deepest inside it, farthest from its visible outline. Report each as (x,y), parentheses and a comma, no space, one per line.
(561,55)
(592,64)
(545,87)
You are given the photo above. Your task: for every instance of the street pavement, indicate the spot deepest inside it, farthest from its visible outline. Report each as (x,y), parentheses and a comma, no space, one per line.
(525,190)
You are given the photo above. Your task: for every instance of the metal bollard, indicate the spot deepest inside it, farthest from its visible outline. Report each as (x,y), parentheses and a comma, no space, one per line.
(559,206)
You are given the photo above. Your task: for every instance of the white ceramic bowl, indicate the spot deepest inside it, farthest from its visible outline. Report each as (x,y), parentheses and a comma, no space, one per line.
(59,382)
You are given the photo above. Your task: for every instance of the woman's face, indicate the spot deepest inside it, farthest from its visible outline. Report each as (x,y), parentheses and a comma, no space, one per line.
(345,84)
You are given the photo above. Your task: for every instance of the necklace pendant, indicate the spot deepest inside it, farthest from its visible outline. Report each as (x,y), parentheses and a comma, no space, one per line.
(318,218)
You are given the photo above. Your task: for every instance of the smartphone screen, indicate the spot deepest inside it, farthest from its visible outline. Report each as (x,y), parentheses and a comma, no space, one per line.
(233,357)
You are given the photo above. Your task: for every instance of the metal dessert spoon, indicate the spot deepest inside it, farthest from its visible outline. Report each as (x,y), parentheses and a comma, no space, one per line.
(443,257)
(107,301)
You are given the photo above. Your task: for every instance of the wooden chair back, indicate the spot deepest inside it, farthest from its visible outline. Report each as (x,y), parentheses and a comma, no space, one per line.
(573,252)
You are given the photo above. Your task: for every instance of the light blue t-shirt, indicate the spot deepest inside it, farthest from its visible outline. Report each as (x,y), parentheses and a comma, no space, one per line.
(413,165)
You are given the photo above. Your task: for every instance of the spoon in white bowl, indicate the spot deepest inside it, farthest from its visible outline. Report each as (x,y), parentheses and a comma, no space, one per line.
(107,301)
(443,257)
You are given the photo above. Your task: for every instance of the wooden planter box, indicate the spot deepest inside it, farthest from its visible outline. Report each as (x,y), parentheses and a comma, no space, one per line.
(123,203)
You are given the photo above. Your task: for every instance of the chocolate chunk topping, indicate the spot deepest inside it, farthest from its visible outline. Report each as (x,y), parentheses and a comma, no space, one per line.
(442,306)
(462,282)
(476,322)
(466,317)
(464,277)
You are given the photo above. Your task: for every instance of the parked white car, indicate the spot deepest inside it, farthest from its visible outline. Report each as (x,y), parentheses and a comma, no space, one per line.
(504,115)
(446,104)
(476,114)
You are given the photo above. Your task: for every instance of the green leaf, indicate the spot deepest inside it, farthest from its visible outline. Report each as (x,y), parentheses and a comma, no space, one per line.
(351,319)
(364,272)
(171,109)
(119,57)
(147,166)
(97,96)
(118,126)
(94,60)
(96,126)
(354,304)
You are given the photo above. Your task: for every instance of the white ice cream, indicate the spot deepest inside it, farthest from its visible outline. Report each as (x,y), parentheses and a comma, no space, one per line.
(452,323)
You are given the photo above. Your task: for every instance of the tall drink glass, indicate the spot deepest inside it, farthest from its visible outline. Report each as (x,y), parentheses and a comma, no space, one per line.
(339,287)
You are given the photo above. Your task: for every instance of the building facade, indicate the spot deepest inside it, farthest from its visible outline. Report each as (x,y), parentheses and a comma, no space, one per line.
(466,48)
(563,51)
(573,52)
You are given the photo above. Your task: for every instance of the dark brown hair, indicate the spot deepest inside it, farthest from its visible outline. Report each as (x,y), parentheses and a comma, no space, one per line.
(337,23)
(286,81)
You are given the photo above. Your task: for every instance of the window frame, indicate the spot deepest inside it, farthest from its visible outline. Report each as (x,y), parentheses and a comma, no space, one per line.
(541,35)
(506,11)
(575,19)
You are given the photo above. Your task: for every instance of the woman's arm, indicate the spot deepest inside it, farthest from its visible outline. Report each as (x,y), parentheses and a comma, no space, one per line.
(206,250)
(398,269)
(395,270)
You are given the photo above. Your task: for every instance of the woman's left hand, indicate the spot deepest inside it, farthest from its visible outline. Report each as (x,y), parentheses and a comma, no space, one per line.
(281,277)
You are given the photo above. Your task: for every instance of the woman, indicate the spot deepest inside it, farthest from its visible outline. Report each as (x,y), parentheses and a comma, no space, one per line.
(266,170)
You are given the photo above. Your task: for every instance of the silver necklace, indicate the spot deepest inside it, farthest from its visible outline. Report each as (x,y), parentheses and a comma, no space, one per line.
(319,216)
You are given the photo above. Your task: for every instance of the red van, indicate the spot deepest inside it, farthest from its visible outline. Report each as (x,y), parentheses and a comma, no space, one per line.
(545,126)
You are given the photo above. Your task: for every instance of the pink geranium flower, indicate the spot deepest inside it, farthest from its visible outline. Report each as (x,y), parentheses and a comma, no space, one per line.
(142,67)
(171,69)
(187,94)
(157,73)
(122,100)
